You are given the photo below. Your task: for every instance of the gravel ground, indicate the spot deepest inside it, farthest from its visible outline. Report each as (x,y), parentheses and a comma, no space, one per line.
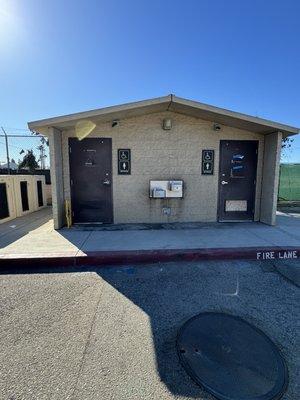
(110,333)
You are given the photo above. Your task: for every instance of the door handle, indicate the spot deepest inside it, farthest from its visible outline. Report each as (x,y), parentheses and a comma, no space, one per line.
(224,183)
(106,182)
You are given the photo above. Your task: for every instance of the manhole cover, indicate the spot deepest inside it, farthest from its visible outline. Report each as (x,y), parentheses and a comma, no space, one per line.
(230,358)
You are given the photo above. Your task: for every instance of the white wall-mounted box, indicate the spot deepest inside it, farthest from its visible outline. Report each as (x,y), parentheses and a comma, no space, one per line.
(169,189)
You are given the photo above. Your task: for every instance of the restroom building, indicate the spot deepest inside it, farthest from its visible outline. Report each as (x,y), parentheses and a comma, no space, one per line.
(163,160)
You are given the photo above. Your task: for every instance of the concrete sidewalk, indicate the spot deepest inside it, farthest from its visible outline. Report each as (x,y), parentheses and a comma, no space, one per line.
(33,237)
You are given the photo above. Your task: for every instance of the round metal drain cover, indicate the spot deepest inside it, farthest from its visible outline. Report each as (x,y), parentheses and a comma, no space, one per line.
(230,358)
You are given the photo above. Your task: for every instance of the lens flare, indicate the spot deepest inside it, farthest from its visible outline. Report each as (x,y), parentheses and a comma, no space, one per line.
(84,128)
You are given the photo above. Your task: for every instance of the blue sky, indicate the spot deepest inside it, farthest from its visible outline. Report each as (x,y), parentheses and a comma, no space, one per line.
(59,57)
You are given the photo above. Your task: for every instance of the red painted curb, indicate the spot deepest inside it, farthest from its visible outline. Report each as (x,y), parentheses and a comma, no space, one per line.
(98,258)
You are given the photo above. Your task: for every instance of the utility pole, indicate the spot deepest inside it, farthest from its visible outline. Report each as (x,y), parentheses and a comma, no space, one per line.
(7,151)
(42,158)
(41,148)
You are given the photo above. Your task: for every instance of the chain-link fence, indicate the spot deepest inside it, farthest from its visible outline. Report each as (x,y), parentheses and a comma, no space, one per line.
(19,142)
(289,182)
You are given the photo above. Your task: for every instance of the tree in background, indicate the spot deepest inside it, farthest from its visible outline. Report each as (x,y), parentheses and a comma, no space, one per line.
(29,162)
(286,147)
(287,143)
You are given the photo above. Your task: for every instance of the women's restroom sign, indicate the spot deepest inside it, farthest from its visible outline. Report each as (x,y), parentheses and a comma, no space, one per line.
(208,162)
(124,162)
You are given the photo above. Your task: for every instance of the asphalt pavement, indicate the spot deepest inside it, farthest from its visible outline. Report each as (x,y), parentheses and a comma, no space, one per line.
(110,333)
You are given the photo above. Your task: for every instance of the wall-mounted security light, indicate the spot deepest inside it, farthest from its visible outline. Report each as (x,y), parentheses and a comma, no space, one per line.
(115,122)
(167,124)
(216,127)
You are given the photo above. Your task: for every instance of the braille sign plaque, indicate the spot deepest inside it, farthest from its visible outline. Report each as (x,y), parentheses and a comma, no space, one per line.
(208,162)
(124,162)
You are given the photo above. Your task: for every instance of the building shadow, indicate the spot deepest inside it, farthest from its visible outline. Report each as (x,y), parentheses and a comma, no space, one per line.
(169,295)
(172,293)
(168,300)
(15,229)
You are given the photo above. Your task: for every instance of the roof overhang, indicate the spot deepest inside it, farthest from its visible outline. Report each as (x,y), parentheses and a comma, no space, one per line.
(166,103)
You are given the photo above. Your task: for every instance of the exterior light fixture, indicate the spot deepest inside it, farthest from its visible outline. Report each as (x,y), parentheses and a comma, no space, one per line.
(216,127)
(115,122)
(167,124)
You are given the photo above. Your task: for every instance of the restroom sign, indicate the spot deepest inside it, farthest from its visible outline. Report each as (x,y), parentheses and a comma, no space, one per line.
(208,162)
(124,162)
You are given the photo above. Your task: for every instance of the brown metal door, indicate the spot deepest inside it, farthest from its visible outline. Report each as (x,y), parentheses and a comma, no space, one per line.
(91,180)
(237,179)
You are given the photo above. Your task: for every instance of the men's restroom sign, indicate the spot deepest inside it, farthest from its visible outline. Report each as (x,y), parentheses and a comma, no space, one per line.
(208,162)
(124,162)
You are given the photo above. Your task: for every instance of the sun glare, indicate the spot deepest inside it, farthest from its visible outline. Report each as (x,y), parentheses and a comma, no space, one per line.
(10,25)
(6,12)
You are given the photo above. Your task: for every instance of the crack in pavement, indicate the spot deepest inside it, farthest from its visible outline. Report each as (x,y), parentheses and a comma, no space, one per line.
(64,308)
(88,341)
(83,243)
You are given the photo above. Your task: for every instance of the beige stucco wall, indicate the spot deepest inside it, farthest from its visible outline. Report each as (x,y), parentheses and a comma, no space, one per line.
(11,198)
(270,178)
(158,154)
(14,197)
(48,195)
(56,169)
